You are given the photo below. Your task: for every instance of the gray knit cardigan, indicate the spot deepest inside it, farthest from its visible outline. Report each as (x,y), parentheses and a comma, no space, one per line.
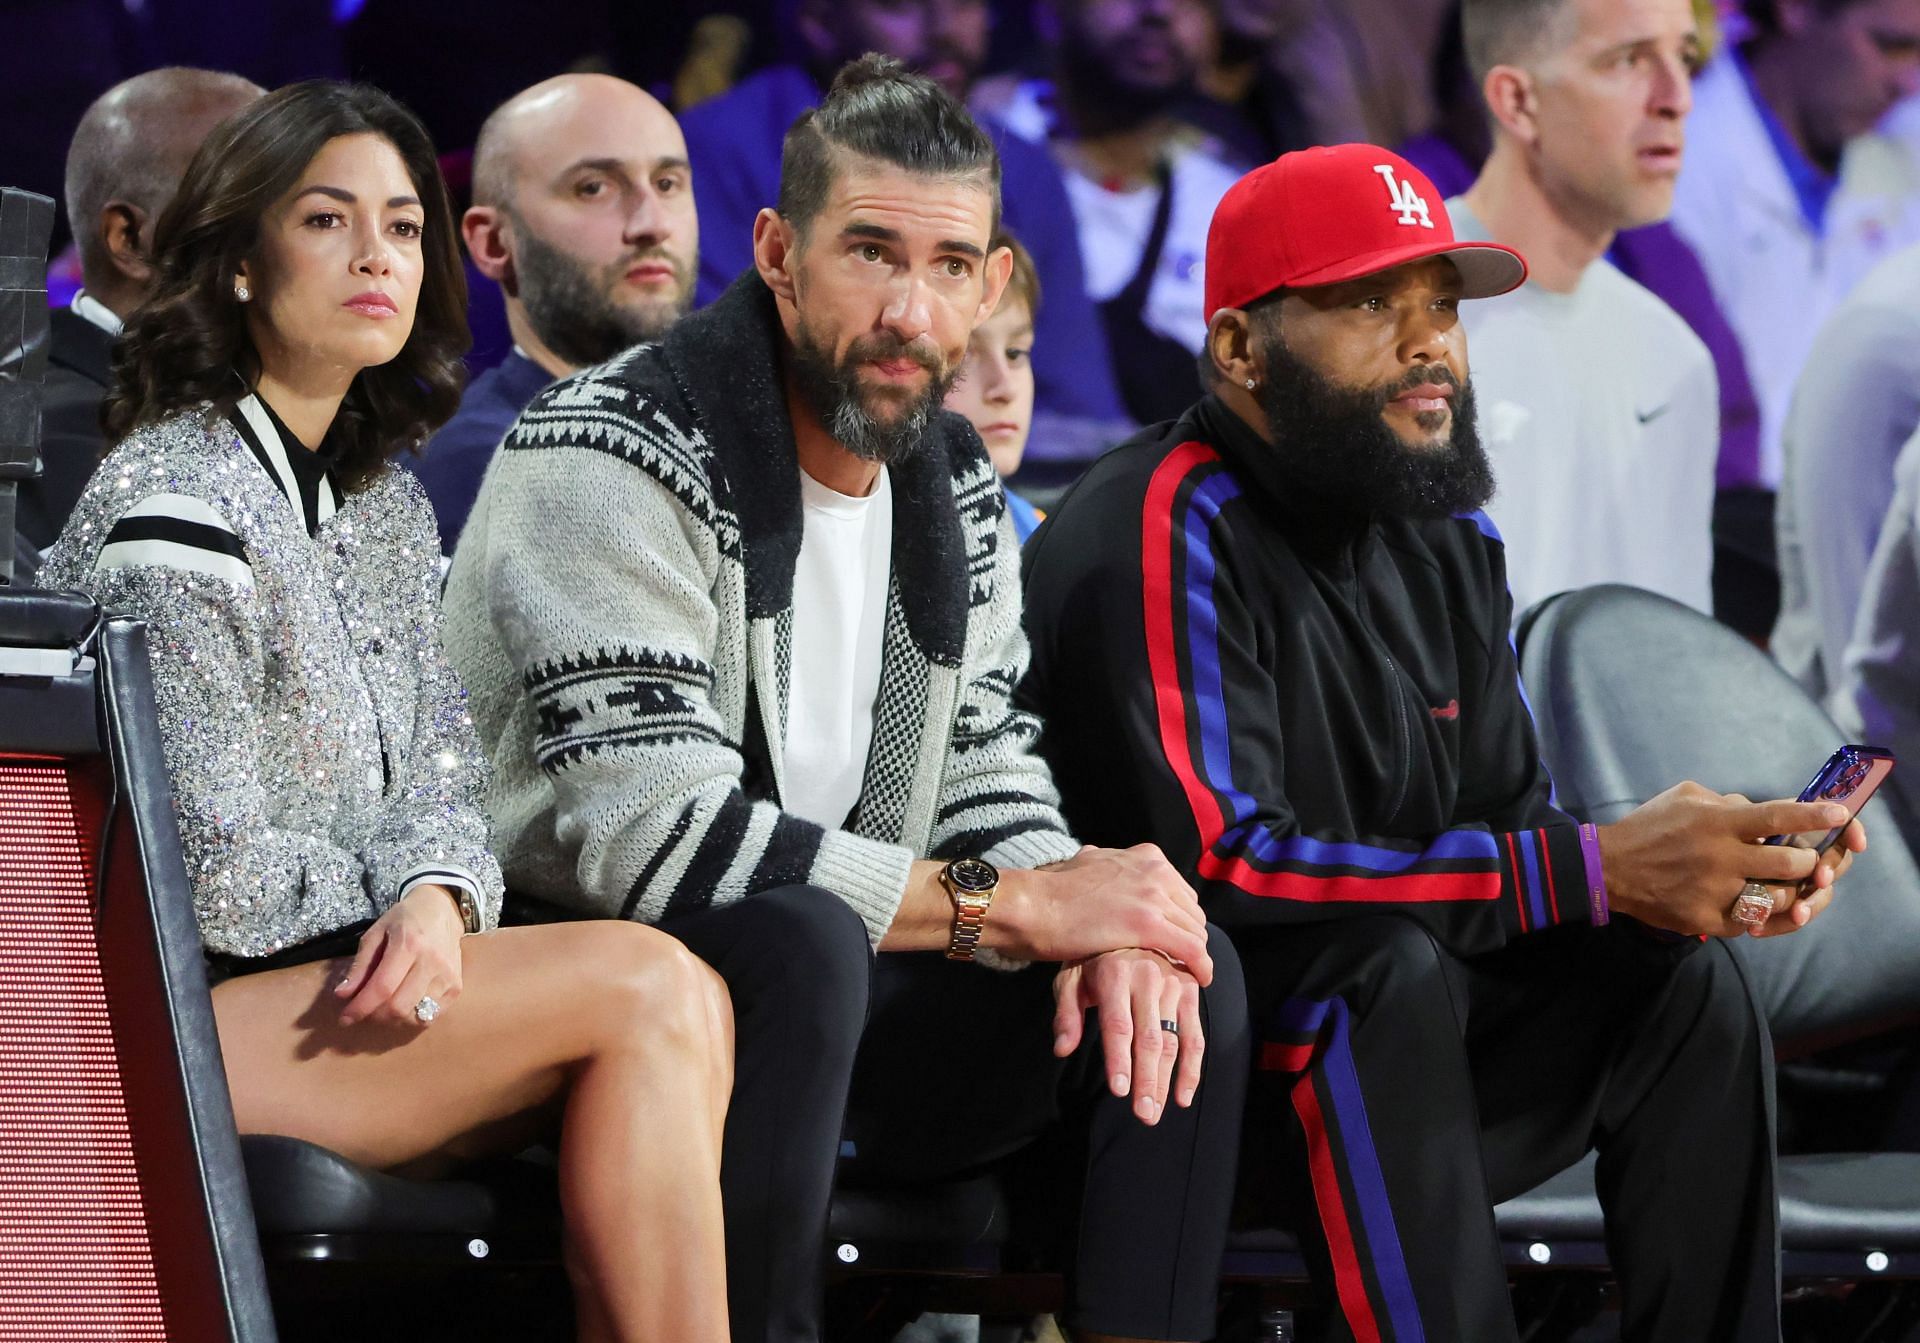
(620,608)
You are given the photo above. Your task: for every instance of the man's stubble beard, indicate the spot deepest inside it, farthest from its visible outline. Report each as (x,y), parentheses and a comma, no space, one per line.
(570,306)
(833,389)
(1334,443)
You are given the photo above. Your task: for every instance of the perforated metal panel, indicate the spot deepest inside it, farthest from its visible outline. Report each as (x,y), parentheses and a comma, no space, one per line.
(76,1261)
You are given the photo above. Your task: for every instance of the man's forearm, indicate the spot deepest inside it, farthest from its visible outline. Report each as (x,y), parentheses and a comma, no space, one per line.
(925,920)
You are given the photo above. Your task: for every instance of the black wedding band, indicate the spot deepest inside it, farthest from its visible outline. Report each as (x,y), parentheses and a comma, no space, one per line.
(1170,1027)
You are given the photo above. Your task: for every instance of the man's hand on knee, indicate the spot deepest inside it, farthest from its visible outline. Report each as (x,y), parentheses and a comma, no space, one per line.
(1681,861)
(1139,995)
(1103,900)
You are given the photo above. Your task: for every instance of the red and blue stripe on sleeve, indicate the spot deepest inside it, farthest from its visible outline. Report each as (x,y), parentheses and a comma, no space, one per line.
(1531,878)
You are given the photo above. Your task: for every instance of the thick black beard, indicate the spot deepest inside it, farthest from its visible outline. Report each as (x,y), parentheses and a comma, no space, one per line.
(1101,95)
(1334,443)
(833,389)
(568,305)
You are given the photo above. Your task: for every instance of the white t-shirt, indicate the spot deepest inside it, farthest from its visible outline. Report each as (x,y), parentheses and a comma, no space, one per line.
(839,621)
(1600,411)
(1113,226)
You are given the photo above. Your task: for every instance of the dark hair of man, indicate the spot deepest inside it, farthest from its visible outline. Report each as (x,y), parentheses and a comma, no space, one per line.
(1509,32)
(1263,323)
(1023,284)
(877,109)
(188,344)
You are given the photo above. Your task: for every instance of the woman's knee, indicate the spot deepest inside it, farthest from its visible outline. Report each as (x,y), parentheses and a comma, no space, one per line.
(646,990)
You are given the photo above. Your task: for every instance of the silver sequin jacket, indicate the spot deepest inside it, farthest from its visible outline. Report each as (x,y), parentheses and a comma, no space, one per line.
(319,746)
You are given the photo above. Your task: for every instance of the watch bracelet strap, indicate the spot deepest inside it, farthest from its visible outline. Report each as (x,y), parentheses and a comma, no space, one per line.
(963,940)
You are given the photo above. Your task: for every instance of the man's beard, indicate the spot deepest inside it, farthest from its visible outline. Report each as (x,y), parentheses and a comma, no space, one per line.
(1103,92)
(834,391)
(570,303)
(1333,443)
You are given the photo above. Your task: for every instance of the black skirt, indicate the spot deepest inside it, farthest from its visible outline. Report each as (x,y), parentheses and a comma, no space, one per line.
(341,942)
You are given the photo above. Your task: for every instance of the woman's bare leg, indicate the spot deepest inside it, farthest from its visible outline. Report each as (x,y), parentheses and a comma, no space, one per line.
(621,1020)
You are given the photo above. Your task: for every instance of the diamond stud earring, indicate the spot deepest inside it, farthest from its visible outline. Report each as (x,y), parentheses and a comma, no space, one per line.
(241,292)
(1249,384)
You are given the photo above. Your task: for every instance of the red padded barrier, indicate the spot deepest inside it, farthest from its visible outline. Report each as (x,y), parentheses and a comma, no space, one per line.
(76,1261)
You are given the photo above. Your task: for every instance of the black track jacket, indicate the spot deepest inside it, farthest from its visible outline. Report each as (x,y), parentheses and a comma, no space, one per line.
(1314,714)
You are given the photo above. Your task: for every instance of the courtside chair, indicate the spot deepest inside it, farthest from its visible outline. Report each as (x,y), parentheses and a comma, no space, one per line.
(1632,692)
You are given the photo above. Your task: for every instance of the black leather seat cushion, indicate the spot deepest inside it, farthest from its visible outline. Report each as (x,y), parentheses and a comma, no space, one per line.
(1855,1201)
(299,1188)
(32,618)
(302,1189)
(963,1212)
(1561,1210)
(1633,693)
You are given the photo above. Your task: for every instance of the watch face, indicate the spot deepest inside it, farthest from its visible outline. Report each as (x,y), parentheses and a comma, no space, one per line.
(974,876)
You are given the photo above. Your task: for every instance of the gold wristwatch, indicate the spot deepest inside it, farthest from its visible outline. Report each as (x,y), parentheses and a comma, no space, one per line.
(971,884)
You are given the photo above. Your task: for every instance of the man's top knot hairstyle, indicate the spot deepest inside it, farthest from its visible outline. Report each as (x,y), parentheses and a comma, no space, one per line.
(878,109)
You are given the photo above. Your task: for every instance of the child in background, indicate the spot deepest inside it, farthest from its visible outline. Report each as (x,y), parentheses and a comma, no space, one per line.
(995,386)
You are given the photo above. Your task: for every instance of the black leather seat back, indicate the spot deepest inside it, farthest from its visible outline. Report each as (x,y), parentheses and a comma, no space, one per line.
(116,1129)
(1632,693)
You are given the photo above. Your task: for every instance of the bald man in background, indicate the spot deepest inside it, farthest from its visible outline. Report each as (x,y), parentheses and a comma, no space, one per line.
(129,152)
(583,215)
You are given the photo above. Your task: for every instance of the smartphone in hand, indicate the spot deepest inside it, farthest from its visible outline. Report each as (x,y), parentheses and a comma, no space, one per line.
(1850,776)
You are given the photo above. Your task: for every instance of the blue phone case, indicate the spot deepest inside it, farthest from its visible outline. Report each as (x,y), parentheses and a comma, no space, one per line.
(1850,776)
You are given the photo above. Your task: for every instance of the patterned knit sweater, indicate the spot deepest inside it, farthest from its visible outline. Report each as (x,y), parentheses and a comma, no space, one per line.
(620,609)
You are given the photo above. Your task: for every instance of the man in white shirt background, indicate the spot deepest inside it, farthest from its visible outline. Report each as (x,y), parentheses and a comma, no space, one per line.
(127,157)
(1599,407)
(1142,182)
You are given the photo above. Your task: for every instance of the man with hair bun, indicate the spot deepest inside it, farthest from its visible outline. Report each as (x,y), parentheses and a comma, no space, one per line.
(734,141)
(680,587)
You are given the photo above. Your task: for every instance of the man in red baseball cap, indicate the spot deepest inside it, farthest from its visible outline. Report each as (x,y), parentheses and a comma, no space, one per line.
(1271,637)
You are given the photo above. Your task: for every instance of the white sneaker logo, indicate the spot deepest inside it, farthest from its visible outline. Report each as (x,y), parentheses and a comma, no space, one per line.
(1403,198)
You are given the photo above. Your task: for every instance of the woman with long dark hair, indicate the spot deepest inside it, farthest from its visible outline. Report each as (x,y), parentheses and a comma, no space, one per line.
(308,322)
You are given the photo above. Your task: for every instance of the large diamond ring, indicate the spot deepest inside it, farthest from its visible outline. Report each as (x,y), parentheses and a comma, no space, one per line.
(1755,905)
(427,1009)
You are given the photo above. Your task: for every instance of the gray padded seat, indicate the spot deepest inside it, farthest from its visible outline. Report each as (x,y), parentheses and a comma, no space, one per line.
(1631,693)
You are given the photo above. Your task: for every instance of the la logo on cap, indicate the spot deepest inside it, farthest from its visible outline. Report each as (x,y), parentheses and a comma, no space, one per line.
(1312,217)
(1402,197)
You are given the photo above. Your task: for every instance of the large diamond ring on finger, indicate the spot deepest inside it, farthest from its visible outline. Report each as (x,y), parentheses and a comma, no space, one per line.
(1754,907)
(426,1010)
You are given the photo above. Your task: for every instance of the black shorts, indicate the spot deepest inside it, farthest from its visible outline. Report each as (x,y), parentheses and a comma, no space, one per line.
(341,942)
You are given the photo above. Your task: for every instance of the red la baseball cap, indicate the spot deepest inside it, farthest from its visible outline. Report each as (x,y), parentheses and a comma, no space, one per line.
(1320,216)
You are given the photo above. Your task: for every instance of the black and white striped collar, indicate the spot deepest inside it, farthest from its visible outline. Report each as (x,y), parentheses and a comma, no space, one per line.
(303,475)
